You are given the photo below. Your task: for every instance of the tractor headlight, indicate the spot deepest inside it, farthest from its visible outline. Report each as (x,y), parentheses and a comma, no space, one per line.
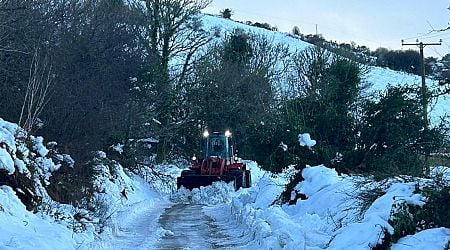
(205,133)
(227,133)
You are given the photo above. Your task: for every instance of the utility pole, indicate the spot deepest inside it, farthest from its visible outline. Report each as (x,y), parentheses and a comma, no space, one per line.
(424,89)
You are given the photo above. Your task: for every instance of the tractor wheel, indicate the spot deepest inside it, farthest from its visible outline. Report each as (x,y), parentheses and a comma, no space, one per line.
(187,172)
(247,179)
(238,176)
(182,179)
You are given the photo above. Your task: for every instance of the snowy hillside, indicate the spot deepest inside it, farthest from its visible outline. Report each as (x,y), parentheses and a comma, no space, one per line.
(378,77)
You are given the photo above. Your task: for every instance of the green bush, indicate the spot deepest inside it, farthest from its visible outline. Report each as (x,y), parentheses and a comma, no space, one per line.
(409,219)
(393,140)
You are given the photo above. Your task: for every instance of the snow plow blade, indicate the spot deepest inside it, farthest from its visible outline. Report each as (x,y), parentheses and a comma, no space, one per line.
(195,181)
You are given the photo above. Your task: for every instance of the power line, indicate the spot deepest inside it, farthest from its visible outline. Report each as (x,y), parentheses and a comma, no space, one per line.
(437,52)
(428,35)
(424,89)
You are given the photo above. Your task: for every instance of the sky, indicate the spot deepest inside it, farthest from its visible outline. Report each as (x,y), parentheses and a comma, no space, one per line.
(373,23)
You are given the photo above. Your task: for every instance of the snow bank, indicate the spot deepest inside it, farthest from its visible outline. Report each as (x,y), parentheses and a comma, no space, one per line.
(263,225)
(316,178)
(26,156)
(330,216)
(7,145)
(138,211)
(217,193)
(22,229)
(436,238)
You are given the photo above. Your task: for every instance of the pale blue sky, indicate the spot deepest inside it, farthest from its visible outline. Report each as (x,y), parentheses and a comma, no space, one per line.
(374,23)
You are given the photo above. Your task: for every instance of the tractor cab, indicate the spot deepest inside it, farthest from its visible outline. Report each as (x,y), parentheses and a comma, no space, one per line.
(218,145)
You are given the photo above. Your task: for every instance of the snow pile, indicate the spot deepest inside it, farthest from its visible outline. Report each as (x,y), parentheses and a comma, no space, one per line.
(264,226)
(114,189)
(329,217)
(138,210)
(316,179)
(435,238)
(305,140)
(7,145)
(221,193)
(24,230)
(217,193)
(375,221)
(110,188)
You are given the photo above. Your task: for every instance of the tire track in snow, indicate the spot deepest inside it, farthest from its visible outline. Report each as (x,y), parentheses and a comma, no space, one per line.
(188,227)
(133,228)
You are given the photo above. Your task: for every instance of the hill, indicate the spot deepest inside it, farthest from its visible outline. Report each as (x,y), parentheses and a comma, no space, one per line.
(377,77)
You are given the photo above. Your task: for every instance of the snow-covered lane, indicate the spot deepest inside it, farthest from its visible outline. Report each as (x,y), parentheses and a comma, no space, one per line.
(135,227)
(188,227)
(138,228)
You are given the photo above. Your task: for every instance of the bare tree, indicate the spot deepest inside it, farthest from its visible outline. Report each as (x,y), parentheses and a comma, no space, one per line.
(308,67)
(172,24)
(174,31)
(37,95)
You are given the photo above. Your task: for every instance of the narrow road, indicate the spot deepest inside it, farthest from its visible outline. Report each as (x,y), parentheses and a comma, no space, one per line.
(190,228)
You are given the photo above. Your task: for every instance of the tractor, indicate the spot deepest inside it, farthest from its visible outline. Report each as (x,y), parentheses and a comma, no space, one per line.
(218,164)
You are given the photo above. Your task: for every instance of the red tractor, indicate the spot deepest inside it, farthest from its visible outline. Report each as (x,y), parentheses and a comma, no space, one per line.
(219,164)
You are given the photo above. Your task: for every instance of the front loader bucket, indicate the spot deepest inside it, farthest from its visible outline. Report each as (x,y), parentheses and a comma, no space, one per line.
(195,181)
